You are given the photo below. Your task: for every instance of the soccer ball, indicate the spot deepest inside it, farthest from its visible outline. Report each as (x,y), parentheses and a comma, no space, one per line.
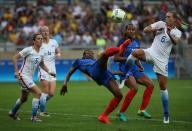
(118,15)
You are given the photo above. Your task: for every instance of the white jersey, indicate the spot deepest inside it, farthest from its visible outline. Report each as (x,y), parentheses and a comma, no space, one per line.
(49,56)
(31,61)
(162,45)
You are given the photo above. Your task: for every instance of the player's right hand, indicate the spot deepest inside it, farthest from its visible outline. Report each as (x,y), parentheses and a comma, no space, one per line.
(141,69)
(63,90)
(52,73)
(16,74)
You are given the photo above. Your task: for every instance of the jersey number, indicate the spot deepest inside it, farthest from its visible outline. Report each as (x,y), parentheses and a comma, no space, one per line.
(49,53)
(163,39)
(36,60)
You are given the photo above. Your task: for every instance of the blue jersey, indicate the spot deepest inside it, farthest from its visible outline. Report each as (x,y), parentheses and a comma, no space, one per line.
(92,68)
(134,70)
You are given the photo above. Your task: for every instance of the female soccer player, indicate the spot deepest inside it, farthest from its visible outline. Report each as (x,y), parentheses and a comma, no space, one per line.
(33,57)
(48,83)
(133,75)
(166,36)
(97,70)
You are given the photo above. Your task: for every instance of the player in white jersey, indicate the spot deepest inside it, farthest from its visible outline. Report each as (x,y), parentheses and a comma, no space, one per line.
(166,36)
(33,57)
(48,83)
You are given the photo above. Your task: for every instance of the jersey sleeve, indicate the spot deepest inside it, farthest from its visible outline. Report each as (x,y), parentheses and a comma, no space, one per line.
(158,25)
(56,44)
(76,63)
(25,52)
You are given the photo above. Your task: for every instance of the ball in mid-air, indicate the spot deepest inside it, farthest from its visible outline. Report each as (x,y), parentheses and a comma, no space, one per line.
(118,15)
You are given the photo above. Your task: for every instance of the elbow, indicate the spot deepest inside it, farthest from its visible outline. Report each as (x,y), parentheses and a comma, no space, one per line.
(14,58)
(146,30)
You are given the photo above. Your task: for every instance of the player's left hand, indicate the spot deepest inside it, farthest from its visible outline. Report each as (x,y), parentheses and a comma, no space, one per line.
(58,56)
(63,90)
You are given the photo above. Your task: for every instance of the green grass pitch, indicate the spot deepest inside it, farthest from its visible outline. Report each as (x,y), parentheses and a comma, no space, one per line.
(79,108)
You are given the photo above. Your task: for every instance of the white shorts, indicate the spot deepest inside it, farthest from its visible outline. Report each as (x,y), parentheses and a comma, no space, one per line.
(45,76)
(26,82)
(160,66)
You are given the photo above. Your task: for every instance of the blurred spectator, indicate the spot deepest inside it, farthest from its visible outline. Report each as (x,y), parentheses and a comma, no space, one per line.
(75,22)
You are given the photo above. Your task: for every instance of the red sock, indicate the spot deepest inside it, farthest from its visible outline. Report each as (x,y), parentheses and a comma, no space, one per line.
(112,105)
(127,100)
(123,46)
(111,51)
(146,97)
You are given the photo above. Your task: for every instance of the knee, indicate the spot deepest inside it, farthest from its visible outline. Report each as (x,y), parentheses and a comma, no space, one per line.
(150,84)
(162,86)
(119,95)
(134,53)
(133,87)
(24,99)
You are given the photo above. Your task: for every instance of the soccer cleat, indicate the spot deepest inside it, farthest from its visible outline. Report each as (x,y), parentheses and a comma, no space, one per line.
(166,118)
(14,116)
(36,119)
(104,119)
(44,114)
(144,113)
(122,117)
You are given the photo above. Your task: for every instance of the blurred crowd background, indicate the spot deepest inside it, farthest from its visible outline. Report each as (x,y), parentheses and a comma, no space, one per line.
(83,22)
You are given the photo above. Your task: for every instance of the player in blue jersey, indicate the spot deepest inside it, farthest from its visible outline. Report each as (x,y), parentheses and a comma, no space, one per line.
(133,75)
(97,70)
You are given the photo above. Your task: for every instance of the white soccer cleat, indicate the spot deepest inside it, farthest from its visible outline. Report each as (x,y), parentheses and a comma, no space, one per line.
(44,114)
(166,119)
(36,119)
(14,117)
(121,84)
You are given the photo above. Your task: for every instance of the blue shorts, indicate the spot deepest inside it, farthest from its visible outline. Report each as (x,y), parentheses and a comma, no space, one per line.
(101,76)
(135,73)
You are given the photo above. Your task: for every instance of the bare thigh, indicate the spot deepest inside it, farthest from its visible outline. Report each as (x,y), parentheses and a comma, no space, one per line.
(162,81)
(114,88)
(35,91)
(45,86)
(131,82)
(139,54)
(145,80)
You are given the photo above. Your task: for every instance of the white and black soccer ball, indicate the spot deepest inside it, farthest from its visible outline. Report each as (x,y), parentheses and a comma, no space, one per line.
(118,15)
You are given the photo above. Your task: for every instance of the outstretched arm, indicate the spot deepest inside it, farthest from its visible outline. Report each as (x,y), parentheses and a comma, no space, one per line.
(138,63)
(64,87)
(149,29)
